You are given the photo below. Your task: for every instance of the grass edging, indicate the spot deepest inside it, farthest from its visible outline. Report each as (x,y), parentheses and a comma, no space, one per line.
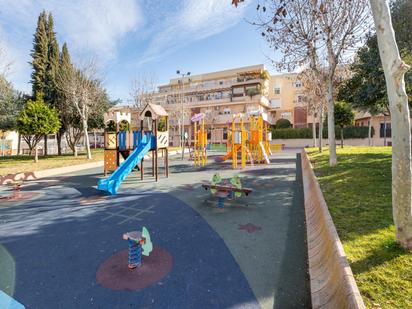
(331,279)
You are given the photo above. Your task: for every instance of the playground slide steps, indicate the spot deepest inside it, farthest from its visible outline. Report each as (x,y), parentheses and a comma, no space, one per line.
(112,183)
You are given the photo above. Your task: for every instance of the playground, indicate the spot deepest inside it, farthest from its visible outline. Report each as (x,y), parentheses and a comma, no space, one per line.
(157,238)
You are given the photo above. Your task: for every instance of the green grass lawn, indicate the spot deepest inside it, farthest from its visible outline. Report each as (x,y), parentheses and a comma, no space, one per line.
(358,194)
(20,164)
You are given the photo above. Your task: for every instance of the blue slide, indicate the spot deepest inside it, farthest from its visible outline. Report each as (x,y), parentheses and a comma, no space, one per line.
(112,183)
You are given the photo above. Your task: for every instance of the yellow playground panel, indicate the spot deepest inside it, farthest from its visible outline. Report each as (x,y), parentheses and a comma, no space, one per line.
(200,140)
(239,137)
(260,137)
(276,147)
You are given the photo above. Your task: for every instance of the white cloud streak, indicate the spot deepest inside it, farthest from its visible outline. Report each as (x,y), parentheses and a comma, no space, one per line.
(92,29)
(194,20)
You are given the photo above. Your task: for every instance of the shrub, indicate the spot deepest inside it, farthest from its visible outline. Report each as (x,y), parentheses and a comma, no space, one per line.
(283,124)
(350,132)
(295,133)
(291,133)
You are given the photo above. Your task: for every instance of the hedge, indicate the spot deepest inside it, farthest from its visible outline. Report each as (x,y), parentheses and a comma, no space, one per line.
(295,133)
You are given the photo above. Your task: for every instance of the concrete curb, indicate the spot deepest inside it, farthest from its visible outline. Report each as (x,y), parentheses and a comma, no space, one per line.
(10,178)
(331,279)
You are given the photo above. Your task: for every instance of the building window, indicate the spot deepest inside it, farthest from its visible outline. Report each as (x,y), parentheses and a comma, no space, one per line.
(221,82)
(388,130)
(209,134)
(226,111)
(238,92)
(299,99)
(298,84)
(225,133)
(275,103)
(277,90)
(218,95)
(286,115)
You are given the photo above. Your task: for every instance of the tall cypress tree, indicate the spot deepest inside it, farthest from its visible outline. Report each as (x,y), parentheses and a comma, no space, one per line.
(52,67)
(50,87)
(39,54)
(65,66)
(65,61)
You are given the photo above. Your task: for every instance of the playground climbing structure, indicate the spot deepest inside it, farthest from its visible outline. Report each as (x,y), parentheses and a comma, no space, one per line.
(152,137)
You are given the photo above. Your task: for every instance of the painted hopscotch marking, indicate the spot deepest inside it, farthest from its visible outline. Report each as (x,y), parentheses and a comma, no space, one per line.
(136,216)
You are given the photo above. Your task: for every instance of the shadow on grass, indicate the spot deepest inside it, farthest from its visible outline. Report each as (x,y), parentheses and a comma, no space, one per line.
(378,256)
(358,192)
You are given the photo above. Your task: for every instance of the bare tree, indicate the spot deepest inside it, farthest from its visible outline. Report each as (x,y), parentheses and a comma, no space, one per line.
(314,91)
(342,26)
(73,135)
(83,91)
(395,70)
(143,89)
(314,33)
(5,64)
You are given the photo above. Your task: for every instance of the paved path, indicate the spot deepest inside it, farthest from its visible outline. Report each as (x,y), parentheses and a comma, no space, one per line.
(252,254)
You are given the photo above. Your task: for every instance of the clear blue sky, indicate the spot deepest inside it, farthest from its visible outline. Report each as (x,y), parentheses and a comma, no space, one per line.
(131,37)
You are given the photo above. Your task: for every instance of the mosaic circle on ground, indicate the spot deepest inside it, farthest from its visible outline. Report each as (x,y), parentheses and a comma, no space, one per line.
(114,272)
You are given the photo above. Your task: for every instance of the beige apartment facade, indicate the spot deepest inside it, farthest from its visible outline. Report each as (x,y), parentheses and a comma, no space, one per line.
(220,95)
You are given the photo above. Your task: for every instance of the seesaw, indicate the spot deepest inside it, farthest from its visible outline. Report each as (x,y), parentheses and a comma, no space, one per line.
(226,191)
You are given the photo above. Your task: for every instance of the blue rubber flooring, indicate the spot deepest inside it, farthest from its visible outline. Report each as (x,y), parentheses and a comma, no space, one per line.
(58,245)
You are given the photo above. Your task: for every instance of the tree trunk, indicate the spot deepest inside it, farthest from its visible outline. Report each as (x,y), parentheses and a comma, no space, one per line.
(321,129)
(395,69)
(59,143)
(331,122)
(370,132)
(341,137)
(95,139)
(36,153)
(45,150)
(314,129)
(86,140)
(75,154)
(18,143)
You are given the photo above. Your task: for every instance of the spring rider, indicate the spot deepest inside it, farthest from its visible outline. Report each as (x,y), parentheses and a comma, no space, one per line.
(139,243)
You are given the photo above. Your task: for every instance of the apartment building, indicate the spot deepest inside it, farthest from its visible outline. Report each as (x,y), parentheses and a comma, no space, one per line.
(221,94)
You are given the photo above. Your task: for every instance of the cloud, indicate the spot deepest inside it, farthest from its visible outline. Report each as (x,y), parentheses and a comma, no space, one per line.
(97,26)
(193,20)
(92,29)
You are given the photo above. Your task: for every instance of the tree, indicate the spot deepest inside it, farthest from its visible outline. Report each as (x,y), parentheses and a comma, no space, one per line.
(344,116)
(314,90)
(316,33)
(142,90)
(7,108)
(283,124)
(395,69)
(5,64)
(40,53)
(52,66)
(65,111)
(366,89)
(83,91)
(35,120)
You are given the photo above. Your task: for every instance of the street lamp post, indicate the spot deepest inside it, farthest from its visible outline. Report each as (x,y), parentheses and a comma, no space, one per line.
(182,123)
